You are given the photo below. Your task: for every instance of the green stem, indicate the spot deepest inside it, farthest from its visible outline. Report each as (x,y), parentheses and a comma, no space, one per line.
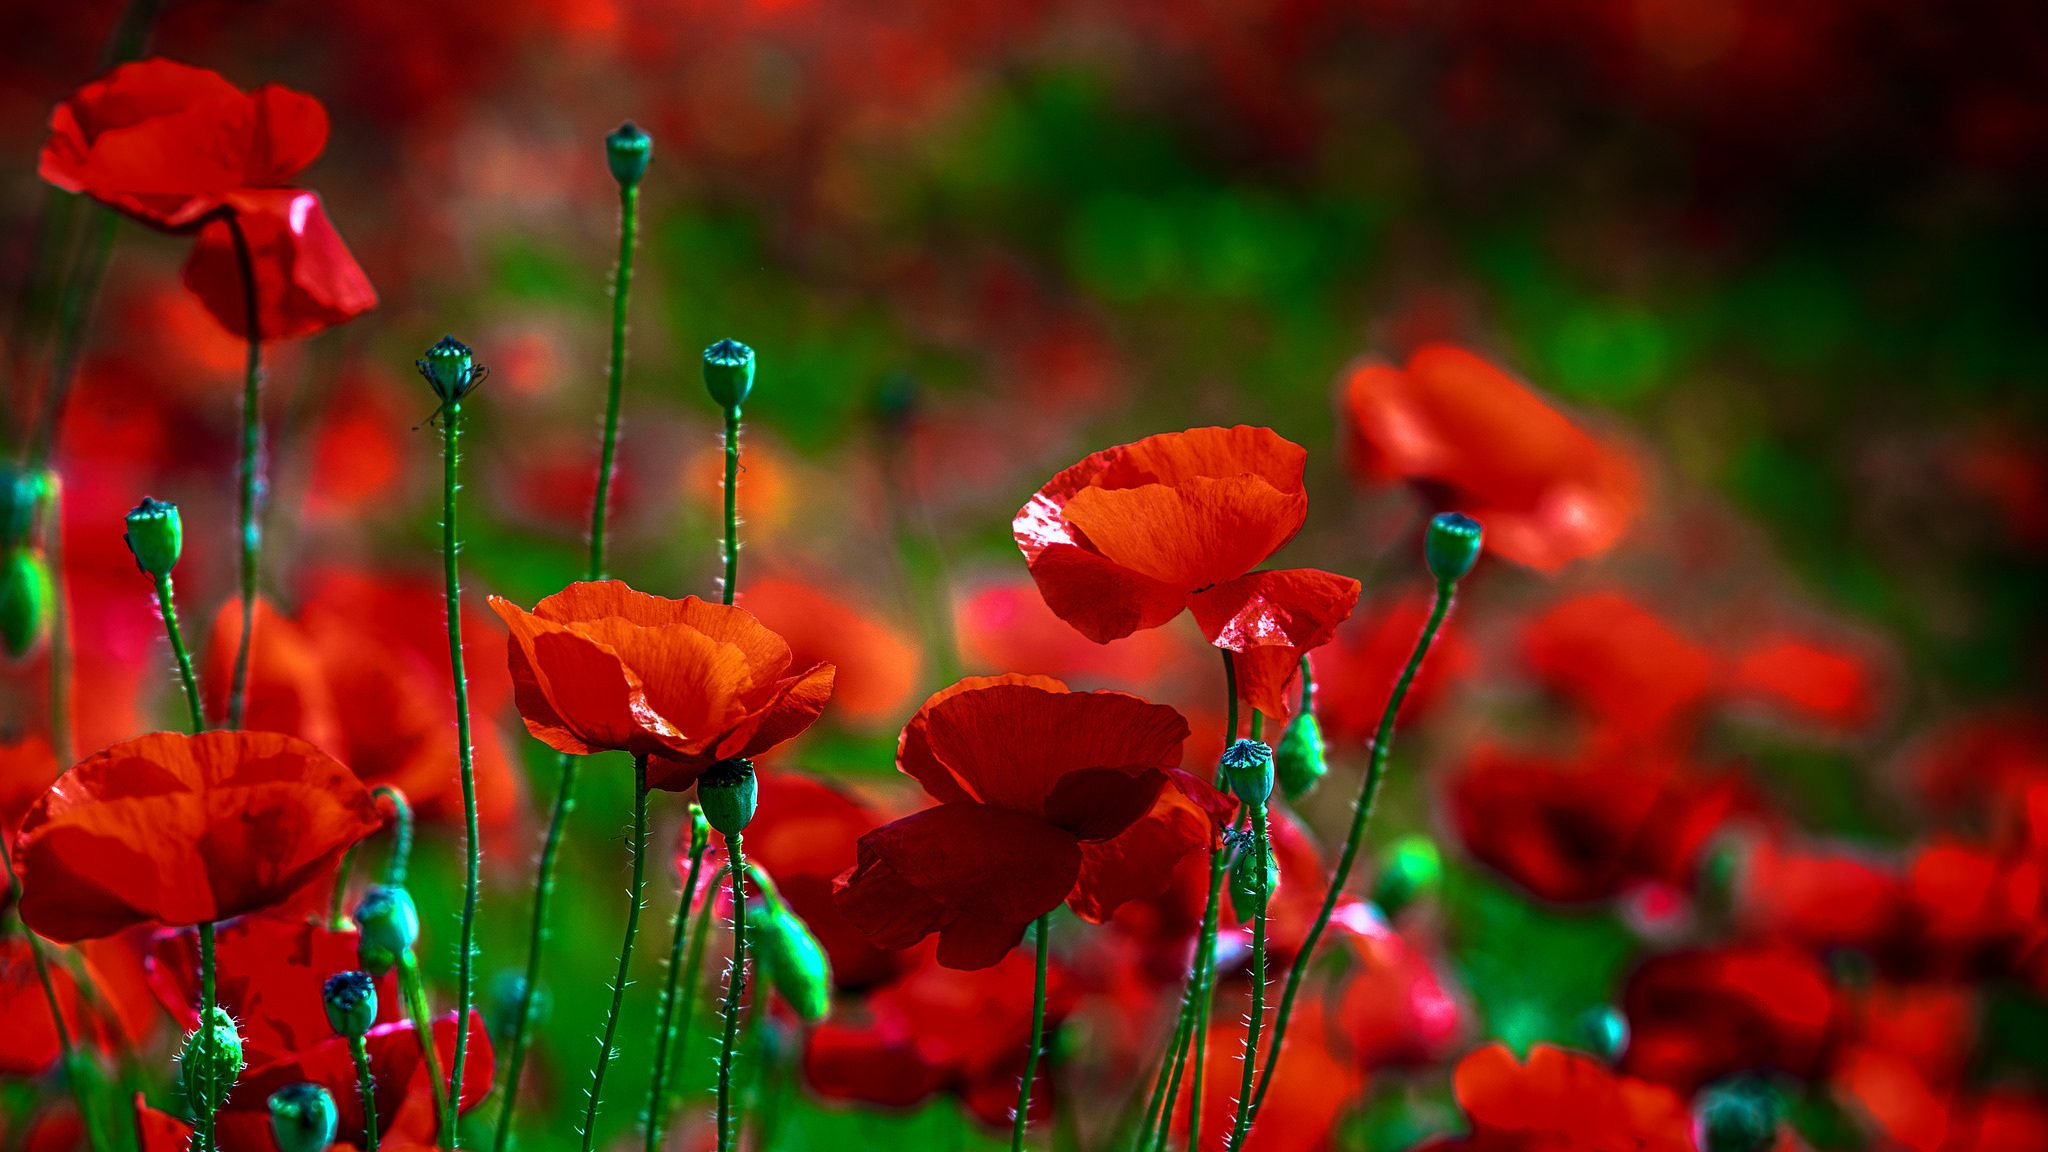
(63,726)
(413,988)
(1023,1120)
(168,605)
(206,1006)
(611,1023)
(735,977)
(366,1086)
(400,860)
(451,436)
(622,284)
(74,309)
(536,936)
(732,504)
(1382,747)
(1262,828)
(251,514)
(693,979)
(1204,997)
(42,964)
(1169,1069)
(337,901)
(664,1030)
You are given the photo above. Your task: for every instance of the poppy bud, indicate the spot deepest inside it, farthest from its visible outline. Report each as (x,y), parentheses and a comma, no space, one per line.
(1737,1116)
(351,999)
(211,1061)
(1603,1032)
(302,1117)
(1244,884)
(155,536)
(627,149)
(1452,547)
(729,794)
(26,596)
(389,924)
(21,497)
(1411,870)
(450,368)
(1302,759)
(1248,770)
(798,968)
(700,829)
(729,373)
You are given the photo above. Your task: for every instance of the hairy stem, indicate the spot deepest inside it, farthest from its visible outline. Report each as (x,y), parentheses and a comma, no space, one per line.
(664,1029)
(366,1087)
(735,985)
(451,434)
(167,604)
(611,1022)
(1023,1120)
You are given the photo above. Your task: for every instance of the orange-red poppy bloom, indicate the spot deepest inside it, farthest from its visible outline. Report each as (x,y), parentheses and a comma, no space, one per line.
(181,830)
(1563,1100)
(1474,439)
(598,667)
(1696,1016)
(1032,780)
(1129,537)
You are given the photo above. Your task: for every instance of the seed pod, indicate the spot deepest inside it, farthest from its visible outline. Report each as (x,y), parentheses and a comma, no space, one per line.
(729,794)
(389,923)
(1248,770)
(155,536)
(1302,759)
(351,1000)
(729,373)
(27,595)
(1736,1116)
(1452,547)
(211,1061)
(303,1117)
(626,149)
(450,368)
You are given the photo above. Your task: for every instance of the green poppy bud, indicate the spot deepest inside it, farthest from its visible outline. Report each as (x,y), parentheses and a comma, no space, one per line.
(211,1061)
(351,999)
(700,829)
(27,596)
(729,794)
(797,966)
(1302,759)
(1603,1032)
(1452,547)
(1736,1116)
(1244,883)
(729,373)
(302,1117)
(627,149)
(1411,870)
(389,923)
(1248,770)
(450,368)
(155,536)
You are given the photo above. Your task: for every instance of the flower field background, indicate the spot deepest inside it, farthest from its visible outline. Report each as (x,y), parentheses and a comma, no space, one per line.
(1075,343)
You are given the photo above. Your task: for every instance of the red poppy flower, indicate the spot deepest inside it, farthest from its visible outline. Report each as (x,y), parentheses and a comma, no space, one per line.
(29,1045)
(307,281)
(1822,684)
(1635,677)
(1030,778)
(1129,537)
(599,667)
(184,830)
(875,665)
(1700,1015)
(1475,440)
(1355,672)
(1983,762)
(1396,1009)
(1564,1102)
(269,973)
(170,144)
(1818,900)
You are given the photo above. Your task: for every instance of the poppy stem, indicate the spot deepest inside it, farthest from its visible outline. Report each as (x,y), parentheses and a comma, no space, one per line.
(63,726)
(615,377)
(1169,1069)
(366,1087)
(611,1023)
(537,934)
(401,834)
(413,988)
(1199,1037)
(664,1030)
(732,503)
(252,467)
(451,455)
(736,975)
(42,964)
(337,902)
(167,604)
(1262,828)
(1382,748)
(206,1006)
(1023,1119)
(693,976)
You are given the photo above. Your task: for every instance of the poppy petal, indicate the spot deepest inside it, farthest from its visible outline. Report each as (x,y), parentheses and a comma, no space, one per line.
(1010,745)
(1199,532)
(914,749)
(1100,598)
(1139,862)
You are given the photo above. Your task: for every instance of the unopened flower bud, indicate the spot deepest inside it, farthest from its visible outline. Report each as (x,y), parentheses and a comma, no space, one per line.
(155,536)
(1411,870)
(450,368)
(1248,770)
(1737,1116)
(797,966)
(1452,547)
(1302,759)
(351,999)
(303,1117)
(389,924)
(1603,1032)
(627,149)
(1244,883)
(729,373)
(700,829)
(211,1061)
(729,794)
(27,597)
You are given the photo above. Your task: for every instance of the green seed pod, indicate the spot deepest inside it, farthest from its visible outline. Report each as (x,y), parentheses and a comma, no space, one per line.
(1302,759)
(351,1000)
(303,1117)
(798,968)
(27,599)
(729,373)
(450,368)
(1452,547)
(729,794)
(155,536)
(390,926)
(1244,881)
(212,1060)
(627,149)
(1248,770)
(1411,870)
(1736,1116)
(1603,1032)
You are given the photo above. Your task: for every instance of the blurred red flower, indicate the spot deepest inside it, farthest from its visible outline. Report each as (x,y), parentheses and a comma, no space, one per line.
(1397,1011)
(1355,672)
(1808,680)
(1304,1106)
(1636,678)
(1563,1101)
(1133,535)
(1696,1016)
(875,664)
(599,667)
(269,973)
(1007,625)
(183,830)
(1030,778)
(29,1044)
(1474,440)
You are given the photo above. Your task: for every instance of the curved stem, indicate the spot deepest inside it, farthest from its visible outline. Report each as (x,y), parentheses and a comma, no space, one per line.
(413,988)
(337,900)
(366,1087)
(451,437)
(168,606)
(732,504)
(622,284)
(1262,829)
(252,467)
(735,984)
(536,936)
(611,1023)
(400,860)
(1382,747)
(1023,1120)
(664,1029)
(1169,1070)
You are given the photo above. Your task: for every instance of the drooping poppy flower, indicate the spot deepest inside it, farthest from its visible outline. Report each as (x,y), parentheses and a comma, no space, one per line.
(1632,674)
(183,830)
(269,973)
(1472,438)
(306,279)
(1133,535)
(1030,778)
(598,667)
(875,665)
(1562,1100)
(29,1045)
(1697,1016)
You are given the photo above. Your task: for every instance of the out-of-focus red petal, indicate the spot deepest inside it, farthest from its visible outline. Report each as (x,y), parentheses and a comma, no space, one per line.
(29,1044)
(307,281)
(877,665)
(287,690)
